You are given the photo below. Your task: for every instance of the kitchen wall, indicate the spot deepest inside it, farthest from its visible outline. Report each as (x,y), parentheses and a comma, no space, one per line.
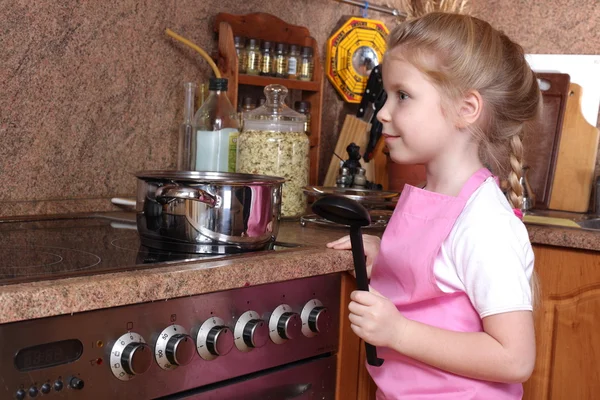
(92,91)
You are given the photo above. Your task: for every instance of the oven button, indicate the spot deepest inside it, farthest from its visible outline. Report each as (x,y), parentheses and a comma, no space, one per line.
(20,395)
(315,318)
(58,385)
(130,356)
(46,388)
(250,332)
(284,324)
(174,347)
(33,392)
(76,383)
(214,339)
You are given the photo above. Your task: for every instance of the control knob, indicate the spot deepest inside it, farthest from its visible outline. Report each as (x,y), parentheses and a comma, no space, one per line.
(315,318)
(284,324)
(214,339)
(250,332)
(130,356)
(174,347)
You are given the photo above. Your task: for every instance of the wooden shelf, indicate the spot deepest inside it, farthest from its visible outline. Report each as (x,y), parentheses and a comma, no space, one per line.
(268,27)
(258,80)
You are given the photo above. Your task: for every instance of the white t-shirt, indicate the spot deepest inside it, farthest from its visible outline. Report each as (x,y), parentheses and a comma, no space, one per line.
(487,255)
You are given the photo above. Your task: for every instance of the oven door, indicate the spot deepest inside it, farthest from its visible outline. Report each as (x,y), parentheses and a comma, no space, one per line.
(312,379)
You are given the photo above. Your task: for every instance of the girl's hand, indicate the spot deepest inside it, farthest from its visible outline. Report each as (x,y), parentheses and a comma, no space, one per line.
(375,319)
(370,243)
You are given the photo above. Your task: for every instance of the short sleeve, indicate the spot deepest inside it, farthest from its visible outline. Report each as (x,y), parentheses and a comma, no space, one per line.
(494,260)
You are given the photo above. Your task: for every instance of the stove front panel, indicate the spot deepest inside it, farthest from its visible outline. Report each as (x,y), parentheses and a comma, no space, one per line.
(122,352)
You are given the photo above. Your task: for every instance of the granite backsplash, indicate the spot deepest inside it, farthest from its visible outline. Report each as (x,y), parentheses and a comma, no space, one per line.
(92,91)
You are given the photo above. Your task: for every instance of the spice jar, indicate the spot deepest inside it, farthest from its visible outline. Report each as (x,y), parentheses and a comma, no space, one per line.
(240,49)
(281,62)
(293,60)
(253,57)
(273,143)
(305,70)
(266,64)
(303,107)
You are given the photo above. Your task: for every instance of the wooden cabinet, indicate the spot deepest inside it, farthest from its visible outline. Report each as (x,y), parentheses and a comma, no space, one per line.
(268,27)
(567,323)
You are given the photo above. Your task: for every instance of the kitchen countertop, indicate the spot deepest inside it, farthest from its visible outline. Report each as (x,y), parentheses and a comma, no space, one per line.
(65,296)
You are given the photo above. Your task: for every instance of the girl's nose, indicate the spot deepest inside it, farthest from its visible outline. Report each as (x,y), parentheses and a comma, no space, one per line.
(384,115)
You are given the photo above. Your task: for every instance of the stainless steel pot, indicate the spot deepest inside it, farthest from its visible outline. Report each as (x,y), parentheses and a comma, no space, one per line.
(207,212)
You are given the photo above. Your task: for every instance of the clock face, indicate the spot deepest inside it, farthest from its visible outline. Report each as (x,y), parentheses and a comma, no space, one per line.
(352,52)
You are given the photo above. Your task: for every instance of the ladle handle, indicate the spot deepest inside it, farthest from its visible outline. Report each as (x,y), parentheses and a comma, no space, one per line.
(362,282)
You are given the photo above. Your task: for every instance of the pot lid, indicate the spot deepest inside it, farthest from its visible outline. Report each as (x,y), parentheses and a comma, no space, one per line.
(209,177)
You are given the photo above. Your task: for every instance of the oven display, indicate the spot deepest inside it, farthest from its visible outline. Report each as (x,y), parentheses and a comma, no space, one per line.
(48,355)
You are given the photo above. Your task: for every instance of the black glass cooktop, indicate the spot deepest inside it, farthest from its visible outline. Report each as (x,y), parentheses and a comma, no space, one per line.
(34,250)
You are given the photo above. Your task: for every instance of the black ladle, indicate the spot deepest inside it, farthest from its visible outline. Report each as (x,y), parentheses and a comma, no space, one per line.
(345,211)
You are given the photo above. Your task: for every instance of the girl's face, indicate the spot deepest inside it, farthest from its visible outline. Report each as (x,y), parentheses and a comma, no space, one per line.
(414,127)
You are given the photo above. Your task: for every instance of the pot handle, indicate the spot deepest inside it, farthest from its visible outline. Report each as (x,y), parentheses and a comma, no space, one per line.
(167,193)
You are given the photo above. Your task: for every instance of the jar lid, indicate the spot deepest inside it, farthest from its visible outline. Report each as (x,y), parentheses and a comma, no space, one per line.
(274,114)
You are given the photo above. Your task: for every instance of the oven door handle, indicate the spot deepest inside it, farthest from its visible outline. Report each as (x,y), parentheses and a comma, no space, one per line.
(283,392)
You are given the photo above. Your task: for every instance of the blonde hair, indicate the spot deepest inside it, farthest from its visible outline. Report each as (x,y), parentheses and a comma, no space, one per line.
(460,53)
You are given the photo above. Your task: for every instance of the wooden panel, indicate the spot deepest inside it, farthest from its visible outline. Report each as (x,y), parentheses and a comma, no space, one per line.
(258,80)
(348,350)
(568,341)
(264,26)
(541,144)
(574,174)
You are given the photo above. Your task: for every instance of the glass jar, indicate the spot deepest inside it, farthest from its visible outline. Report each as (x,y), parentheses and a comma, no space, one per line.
(253,57)
(281,62)
(293,61)
(303,107)
(305,70)
(273,143)
(266,64)
(240,49)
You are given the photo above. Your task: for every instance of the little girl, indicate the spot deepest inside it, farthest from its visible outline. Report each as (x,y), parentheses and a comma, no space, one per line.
(450,307)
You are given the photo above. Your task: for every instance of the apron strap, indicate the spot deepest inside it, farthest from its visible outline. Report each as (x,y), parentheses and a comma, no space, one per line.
(474,182)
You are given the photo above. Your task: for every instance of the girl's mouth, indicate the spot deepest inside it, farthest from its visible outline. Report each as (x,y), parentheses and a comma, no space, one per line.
(389,137)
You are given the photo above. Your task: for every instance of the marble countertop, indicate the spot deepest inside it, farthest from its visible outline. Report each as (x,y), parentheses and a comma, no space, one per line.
(65,296)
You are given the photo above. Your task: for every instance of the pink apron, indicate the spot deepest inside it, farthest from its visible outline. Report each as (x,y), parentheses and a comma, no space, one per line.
(403,272)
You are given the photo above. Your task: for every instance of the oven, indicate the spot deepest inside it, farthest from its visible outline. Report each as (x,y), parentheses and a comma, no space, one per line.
(272,341)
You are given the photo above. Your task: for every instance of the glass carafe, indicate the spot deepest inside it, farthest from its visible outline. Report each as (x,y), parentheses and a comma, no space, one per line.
(273,143)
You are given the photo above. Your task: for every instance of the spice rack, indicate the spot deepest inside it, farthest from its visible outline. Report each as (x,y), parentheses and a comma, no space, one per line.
(265,26)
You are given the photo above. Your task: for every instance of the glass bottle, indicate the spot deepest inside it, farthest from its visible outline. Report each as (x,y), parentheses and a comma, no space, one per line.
(253,57)
(305,71)
(217,131)
(187,137)
(266,64)
(273,143)
(240,49)
(293,59)
(281,62)
(303,107)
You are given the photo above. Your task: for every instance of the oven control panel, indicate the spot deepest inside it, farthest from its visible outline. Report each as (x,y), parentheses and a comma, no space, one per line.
(148,350)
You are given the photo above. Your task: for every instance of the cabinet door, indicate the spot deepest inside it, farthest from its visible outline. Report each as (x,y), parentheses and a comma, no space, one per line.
(568,338)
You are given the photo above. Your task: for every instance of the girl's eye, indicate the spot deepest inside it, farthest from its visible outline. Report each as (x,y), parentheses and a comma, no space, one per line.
(402,96)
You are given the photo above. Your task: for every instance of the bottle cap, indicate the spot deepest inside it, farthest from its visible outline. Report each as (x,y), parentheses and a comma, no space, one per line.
(217,84)
(302,106)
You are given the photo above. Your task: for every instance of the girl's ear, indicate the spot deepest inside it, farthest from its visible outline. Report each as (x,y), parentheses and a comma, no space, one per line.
(470,109)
